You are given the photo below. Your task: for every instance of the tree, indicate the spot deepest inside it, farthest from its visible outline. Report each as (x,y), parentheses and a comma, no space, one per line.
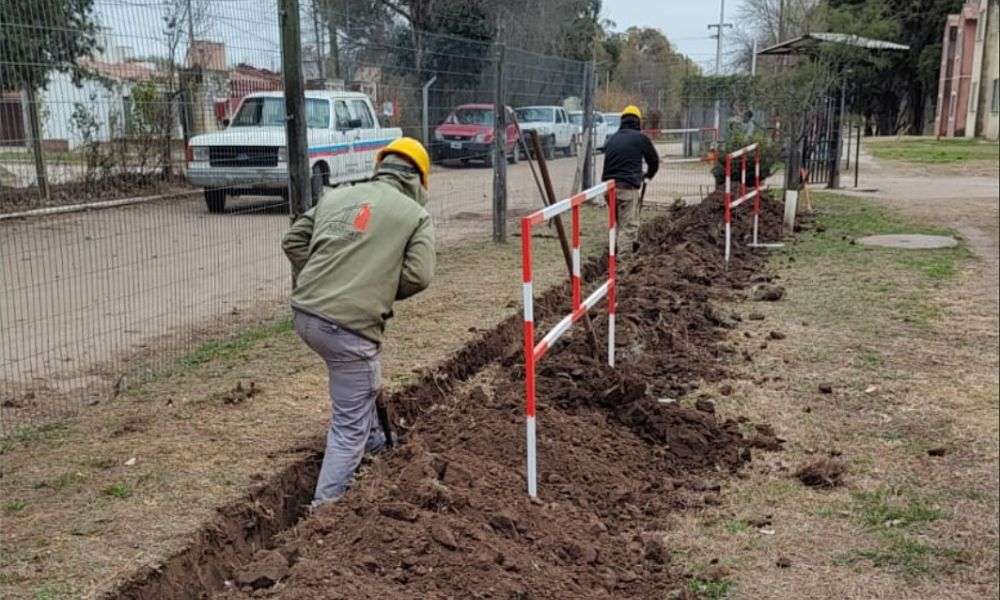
(38,37)
(896,89)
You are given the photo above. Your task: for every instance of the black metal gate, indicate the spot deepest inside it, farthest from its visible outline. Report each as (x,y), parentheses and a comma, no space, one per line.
(820,142)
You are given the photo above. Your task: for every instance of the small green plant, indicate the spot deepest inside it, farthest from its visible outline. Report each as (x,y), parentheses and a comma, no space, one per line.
(736,526)
(120,491)
(893,508)
(712,590)
(14,506)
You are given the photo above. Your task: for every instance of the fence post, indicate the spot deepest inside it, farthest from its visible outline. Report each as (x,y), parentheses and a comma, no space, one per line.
(295,108)
(500,151)
(424,116)
(588,125)
(35,133)
(728,200)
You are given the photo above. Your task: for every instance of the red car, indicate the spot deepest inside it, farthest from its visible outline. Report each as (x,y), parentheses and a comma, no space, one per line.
(467,134)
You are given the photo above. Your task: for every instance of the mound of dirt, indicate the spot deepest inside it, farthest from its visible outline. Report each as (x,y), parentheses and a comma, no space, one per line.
(447,515)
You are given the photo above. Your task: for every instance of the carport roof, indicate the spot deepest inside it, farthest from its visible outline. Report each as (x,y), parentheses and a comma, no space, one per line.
(809,41)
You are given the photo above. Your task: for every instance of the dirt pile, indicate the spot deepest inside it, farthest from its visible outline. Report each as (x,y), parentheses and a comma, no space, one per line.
(447,515)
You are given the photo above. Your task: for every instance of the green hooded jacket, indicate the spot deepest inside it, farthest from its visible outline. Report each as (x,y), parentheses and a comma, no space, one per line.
(361,248)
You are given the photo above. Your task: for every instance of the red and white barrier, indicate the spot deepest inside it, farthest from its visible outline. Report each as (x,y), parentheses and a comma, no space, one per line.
(753,194)
(534,352)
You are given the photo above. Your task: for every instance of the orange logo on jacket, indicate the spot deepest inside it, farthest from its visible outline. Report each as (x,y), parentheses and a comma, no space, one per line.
(361,219)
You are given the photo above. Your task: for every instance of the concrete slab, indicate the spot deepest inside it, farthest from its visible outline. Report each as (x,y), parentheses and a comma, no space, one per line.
(909,241)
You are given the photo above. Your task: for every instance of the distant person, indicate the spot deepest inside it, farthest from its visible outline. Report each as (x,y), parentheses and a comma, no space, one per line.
(624,154)
(356,252)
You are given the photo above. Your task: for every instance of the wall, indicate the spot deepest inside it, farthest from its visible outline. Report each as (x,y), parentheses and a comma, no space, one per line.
(987,117)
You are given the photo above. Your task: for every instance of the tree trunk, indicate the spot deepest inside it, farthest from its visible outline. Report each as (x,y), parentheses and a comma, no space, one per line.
(35,132)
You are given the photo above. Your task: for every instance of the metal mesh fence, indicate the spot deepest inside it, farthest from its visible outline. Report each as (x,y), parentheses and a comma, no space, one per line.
(143,191)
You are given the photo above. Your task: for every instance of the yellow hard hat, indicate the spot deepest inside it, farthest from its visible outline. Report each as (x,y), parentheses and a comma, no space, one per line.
(633,110)
(411,150)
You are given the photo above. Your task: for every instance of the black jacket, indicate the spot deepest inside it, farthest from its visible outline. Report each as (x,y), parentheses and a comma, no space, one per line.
(624,152)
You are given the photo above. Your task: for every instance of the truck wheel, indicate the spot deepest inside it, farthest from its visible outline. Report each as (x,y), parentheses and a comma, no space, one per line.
(549,148)
(512,157)
(215,200)
(572,150)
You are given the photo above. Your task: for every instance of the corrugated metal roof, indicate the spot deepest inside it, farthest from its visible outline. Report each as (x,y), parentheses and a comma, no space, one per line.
(809,41)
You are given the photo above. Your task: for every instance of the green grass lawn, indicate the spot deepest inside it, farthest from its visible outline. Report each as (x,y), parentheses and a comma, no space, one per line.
(934,151)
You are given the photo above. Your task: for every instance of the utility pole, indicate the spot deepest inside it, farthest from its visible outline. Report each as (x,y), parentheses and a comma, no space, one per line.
(720,27)
(190,20)
(299,184)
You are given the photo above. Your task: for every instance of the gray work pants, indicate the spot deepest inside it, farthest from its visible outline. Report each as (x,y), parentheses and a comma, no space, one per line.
(355,378)
(627,200)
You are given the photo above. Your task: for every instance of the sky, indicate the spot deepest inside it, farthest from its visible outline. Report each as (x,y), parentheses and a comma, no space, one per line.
(685,22)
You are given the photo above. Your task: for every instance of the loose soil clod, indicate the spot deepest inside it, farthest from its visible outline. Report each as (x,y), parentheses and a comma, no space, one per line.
(822,473)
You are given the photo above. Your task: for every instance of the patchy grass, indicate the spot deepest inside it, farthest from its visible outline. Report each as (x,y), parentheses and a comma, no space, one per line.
(711,590)
(890,508)
(28,434)
(120,490)
(908,341)
(224,350)
(14,506)
(928,150)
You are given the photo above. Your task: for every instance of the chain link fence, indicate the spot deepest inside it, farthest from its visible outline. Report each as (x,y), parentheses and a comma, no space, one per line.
(142,186)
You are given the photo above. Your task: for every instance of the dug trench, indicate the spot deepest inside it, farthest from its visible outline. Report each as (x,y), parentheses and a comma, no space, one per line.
(446,514)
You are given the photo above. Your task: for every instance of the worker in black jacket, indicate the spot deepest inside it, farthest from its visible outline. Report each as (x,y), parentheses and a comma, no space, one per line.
(623,155)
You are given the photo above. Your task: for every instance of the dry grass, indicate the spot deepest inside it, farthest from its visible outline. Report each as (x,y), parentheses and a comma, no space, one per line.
(910,347)
(85,502)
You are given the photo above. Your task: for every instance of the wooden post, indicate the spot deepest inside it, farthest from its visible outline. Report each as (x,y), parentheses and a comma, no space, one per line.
(35,131)
(299,181)
(500,151)
(548,200)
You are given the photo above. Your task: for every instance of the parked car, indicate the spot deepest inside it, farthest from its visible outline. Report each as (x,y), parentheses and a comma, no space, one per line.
(467,134)
(613,121)
(601,131)
(551,123)
(249,157)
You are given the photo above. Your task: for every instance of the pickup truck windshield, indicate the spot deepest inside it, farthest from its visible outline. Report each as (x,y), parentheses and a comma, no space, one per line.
(535,115)
(473,116)
(270,112)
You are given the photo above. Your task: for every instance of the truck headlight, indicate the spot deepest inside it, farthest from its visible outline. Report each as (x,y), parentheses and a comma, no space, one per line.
(282,153)
(199,153)
(438,135)
(484,137)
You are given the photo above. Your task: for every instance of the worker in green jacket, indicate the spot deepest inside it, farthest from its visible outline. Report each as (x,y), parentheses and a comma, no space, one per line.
(356,252)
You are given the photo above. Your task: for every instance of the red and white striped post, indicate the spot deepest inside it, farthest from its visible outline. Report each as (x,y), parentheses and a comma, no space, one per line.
(756,198)
(728,199)
(534,352)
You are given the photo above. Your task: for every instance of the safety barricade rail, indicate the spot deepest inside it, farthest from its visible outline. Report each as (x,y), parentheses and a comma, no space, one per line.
(533,352)
(746,193)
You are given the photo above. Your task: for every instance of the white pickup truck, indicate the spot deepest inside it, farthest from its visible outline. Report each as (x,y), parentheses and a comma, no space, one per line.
(250,158)
(553,126)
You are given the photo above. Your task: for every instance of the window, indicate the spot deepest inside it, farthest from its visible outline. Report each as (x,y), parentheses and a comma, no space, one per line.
(269,111)
(361,114)
(559,116)
(343,115)
(317,113)
(995,104)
